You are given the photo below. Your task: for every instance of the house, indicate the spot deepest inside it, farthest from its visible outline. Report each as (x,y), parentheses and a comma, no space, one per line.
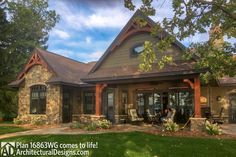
(60,90)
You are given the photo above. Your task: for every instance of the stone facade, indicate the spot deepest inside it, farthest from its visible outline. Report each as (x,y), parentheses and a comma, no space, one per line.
(197,124)
(38,75)
(87,118)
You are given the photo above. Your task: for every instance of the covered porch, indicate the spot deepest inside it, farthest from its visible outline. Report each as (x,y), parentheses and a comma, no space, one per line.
(115,98)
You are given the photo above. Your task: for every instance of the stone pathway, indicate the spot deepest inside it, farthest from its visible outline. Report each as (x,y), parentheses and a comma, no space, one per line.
(229,129)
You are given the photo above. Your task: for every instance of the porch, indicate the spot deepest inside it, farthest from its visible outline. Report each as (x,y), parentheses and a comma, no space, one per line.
(114,99)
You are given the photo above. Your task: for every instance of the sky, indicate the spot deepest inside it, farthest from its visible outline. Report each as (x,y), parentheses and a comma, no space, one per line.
(87,27)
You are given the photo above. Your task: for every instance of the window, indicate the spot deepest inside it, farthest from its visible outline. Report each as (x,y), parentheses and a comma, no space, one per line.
(38,99)
(140,102)
(89,103)
(124,101)
(137,49)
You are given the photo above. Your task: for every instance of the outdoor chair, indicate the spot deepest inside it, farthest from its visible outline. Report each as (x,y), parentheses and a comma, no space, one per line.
(151,118)
(173,111)
(217,118)
(134,116)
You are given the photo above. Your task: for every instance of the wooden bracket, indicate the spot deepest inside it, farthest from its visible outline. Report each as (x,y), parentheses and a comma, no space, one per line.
(189,82)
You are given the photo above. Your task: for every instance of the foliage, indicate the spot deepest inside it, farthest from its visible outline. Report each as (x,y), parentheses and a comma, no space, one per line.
(171,126)
(212,129)
(91,126)
(189,19)
(138,144)
(38,120)
(77,125)
(24,25)
(104,124)
(17,121)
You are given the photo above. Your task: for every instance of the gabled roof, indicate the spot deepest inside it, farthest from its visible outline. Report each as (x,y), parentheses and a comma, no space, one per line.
(132,72)
(129,29)
(65,70)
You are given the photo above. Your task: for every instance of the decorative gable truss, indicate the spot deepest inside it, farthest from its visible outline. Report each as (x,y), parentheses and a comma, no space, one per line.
(34,60)
(132,29)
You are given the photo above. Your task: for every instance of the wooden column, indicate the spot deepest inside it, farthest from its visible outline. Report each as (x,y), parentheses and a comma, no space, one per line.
(197,94)
(99,89)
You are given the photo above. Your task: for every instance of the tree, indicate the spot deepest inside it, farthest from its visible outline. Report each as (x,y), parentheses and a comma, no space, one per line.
(190,18)
(24,25)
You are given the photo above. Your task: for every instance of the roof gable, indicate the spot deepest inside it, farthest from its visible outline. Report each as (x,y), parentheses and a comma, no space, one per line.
(35,59)
(64,70)
(129,29)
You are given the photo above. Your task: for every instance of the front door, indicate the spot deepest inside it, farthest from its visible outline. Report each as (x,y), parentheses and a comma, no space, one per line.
(108,104)
(232,109)
(66,107)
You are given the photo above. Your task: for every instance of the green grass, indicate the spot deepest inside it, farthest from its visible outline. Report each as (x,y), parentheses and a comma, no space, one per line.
(137,144)
(10,129)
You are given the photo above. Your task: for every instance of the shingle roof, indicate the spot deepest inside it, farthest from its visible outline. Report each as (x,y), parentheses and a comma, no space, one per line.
(227,81)
(133,72)
(65,70)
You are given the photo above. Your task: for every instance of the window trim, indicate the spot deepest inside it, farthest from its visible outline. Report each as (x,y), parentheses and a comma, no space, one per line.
(38,91)
(132,52)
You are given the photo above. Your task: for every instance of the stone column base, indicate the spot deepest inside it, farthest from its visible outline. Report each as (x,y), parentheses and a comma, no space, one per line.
(87,118)
(197,124)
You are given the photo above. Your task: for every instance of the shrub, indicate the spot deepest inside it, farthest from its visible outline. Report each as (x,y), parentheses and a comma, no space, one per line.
(38,120)
(212,129)
(104,124)
(91,127)
(17,121)
(171,126)
(77,125)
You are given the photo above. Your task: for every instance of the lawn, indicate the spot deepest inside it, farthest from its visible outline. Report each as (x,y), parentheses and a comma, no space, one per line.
(140,144)
(10,129)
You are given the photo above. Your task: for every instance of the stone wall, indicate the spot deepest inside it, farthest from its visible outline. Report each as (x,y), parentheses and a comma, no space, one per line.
(38,75)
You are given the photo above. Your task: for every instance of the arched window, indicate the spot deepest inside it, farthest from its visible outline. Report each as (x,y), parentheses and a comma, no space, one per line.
(38,99)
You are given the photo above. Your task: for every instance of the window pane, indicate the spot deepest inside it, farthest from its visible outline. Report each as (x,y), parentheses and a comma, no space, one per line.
(89,102)
(38,99)
(110,97)
(124,101)
(140,102)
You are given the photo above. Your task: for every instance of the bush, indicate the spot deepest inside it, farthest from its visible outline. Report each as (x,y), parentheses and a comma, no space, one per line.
(212,129)
(77,125)
(9,117)
(38,120)
(17,121)
(171,126)
(91,127)
(104,124)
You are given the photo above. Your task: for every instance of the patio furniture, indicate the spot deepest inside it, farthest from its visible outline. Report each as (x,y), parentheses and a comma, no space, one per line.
(217,118)
(170,115)
(151,118)
(134,116)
